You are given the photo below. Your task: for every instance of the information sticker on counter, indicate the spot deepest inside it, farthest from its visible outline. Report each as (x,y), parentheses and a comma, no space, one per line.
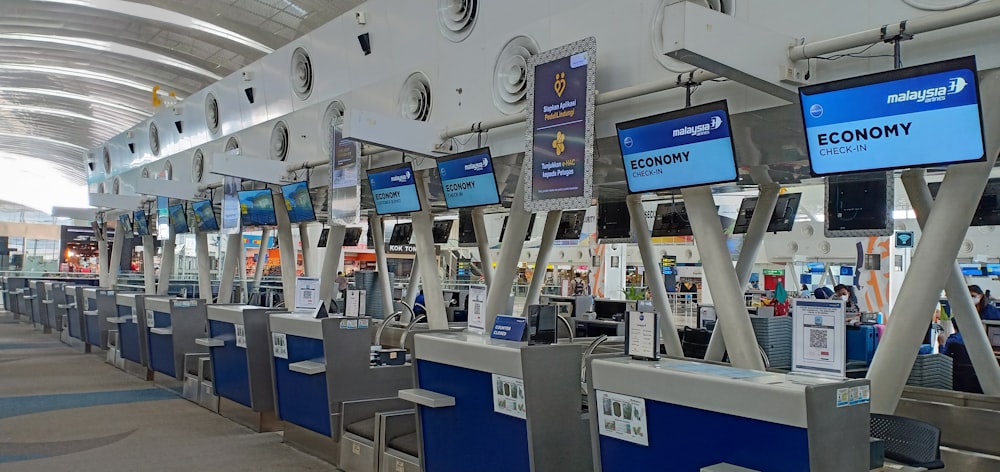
(508,396)
(355,303)
(150,319)
(279,342)
(642,340)
(241,336)
(477,308)
(622,417)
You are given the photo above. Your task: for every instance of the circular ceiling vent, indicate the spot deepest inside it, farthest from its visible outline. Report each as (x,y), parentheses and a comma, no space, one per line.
(198,166)
(168,171)
(116,185)
(825,247)
(333,116)
(302,73)
(793,247)
(968,247)
(987,229)
(145,173)
(415,97)
(457,18)
(279,142)
(212,113)
(510,74)
(807,230)
(900,226)
(100,187)
(233,145)
(107,161)
(154,139)
(938,5)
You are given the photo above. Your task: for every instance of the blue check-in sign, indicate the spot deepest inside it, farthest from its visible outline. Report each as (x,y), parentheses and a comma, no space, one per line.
(904,239)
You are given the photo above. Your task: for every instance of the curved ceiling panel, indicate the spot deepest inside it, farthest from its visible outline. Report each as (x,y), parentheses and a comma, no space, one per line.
(75,73)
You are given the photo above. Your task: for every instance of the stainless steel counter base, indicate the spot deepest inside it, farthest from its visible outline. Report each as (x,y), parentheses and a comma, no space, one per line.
(260,422)
(311,442)
(136,369)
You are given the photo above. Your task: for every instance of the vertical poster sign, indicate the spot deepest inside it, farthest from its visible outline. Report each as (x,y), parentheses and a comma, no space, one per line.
(345,201)
(560,151)
(819,337)
(477,308)
(230,205)
(162,218)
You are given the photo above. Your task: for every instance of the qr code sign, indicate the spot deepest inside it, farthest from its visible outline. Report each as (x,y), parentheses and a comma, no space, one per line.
(819,338)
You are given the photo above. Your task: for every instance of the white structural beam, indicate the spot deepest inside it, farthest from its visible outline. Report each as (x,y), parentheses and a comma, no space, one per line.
(510,252)
(307,250)
(248,167)
(204,266)
(423,223)
(84,214)
(381,264)
(166,264)
(483,242)
(148,270)
(229,265)
(114,266)
(331,261)
(408,136)
(178,189)
(286,248)
(552,219)
(118,202)
(938,247)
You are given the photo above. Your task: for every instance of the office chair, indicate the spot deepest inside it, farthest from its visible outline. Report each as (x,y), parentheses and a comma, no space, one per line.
(908,441)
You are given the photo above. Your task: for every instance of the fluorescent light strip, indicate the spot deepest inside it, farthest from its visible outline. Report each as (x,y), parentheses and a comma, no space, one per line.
(81,73)
(116,48)
(161,15)
(42,139)
(74,96)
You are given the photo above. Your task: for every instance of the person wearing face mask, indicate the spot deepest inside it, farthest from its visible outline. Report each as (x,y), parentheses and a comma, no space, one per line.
(844,293)
(984,306)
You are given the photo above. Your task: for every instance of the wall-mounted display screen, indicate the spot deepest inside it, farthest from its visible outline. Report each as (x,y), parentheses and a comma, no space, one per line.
(671,220)
(162,218)
(988,211)
(204,216)
(231,207)
(442,231)
(973,270)
(298,202)
(859,205)
(324,236)
(466,229)
(782,219)
(683,148)
(613,221)
(847,271)
(993,270)
(394,189)
(570,225)
(352,236)
(468,180)
(125,224)
(816,267)
(531,227)
(178,219)
(912,117)
(141,221)
(401,233)
(257,208)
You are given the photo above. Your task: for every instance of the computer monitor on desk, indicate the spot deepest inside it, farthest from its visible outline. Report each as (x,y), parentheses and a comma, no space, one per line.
(993,332)
(607,309)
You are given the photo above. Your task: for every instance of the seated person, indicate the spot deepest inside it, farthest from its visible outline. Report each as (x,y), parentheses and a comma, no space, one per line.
(963,376)
(984,305)
(418,305)
(847,295)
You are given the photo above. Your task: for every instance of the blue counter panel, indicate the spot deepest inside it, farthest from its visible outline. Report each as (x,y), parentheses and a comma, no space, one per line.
(687,439)
(469,435)
(93,326)
(229,364)
(161,346)
(302,399)
(73,320)
(128,335)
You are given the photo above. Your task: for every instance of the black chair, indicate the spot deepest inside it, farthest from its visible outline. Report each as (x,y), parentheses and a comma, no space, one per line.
(908,441)
(963,375)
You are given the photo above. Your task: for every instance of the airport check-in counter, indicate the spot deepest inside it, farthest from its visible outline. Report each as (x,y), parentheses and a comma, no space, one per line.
(300,382)
(132,340)
(76,304)
(243,377)
(90,321)
(98,322)
(29,302)
(173,325)
(52,296)
(684,415)
(517,406)
(40,310)
(17,286)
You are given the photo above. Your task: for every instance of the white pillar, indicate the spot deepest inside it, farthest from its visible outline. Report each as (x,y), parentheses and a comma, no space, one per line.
(229,266)
(381,263)
(307,251)
(204,266)
(331,261)
(752,242)
(727,295)
(148,271)
(962,308)
(654,280)
(116,257)
(542,261)
(102,255)
(938,247)
(262,250)
(166,264)
(510,252)
(423,222)
(483,241)
(287,249)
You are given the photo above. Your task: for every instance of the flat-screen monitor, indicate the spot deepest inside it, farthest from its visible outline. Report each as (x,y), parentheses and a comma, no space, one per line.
(973,270)
(613,221)
(806,279)
(468,180)
(782,218)
(466,229)
(442,231)
(541,324)
(141,222)
(394,189)
(671,220)
(847,271)
(993,332)
(204,216)
(993,270)
(816,267)
(684,148)
(298,202)
(531,226)
(324,236)
(913,117)
(401,233)
(859,205)
(125,224)
(988,211)
(257,207)
(570,225)
(178,219)
(352,236)
(606,309)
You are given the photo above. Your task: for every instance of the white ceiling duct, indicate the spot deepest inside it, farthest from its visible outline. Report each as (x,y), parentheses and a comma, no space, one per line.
(510,74)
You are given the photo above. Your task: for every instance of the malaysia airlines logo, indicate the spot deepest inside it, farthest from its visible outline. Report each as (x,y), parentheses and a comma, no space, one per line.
(478,166)
(931,94)
(700,130)
(401,178)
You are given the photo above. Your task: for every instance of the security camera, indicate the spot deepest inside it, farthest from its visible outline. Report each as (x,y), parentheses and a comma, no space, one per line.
(247,75)
(360,17)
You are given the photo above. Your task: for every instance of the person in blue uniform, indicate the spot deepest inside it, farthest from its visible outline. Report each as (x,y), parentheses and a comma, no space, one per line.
(418,304)
(963,375)
(984,305)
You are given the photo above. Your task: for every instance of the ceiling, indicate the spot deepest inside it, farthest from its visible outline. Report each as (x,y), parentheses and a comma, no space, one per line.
(74,73)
